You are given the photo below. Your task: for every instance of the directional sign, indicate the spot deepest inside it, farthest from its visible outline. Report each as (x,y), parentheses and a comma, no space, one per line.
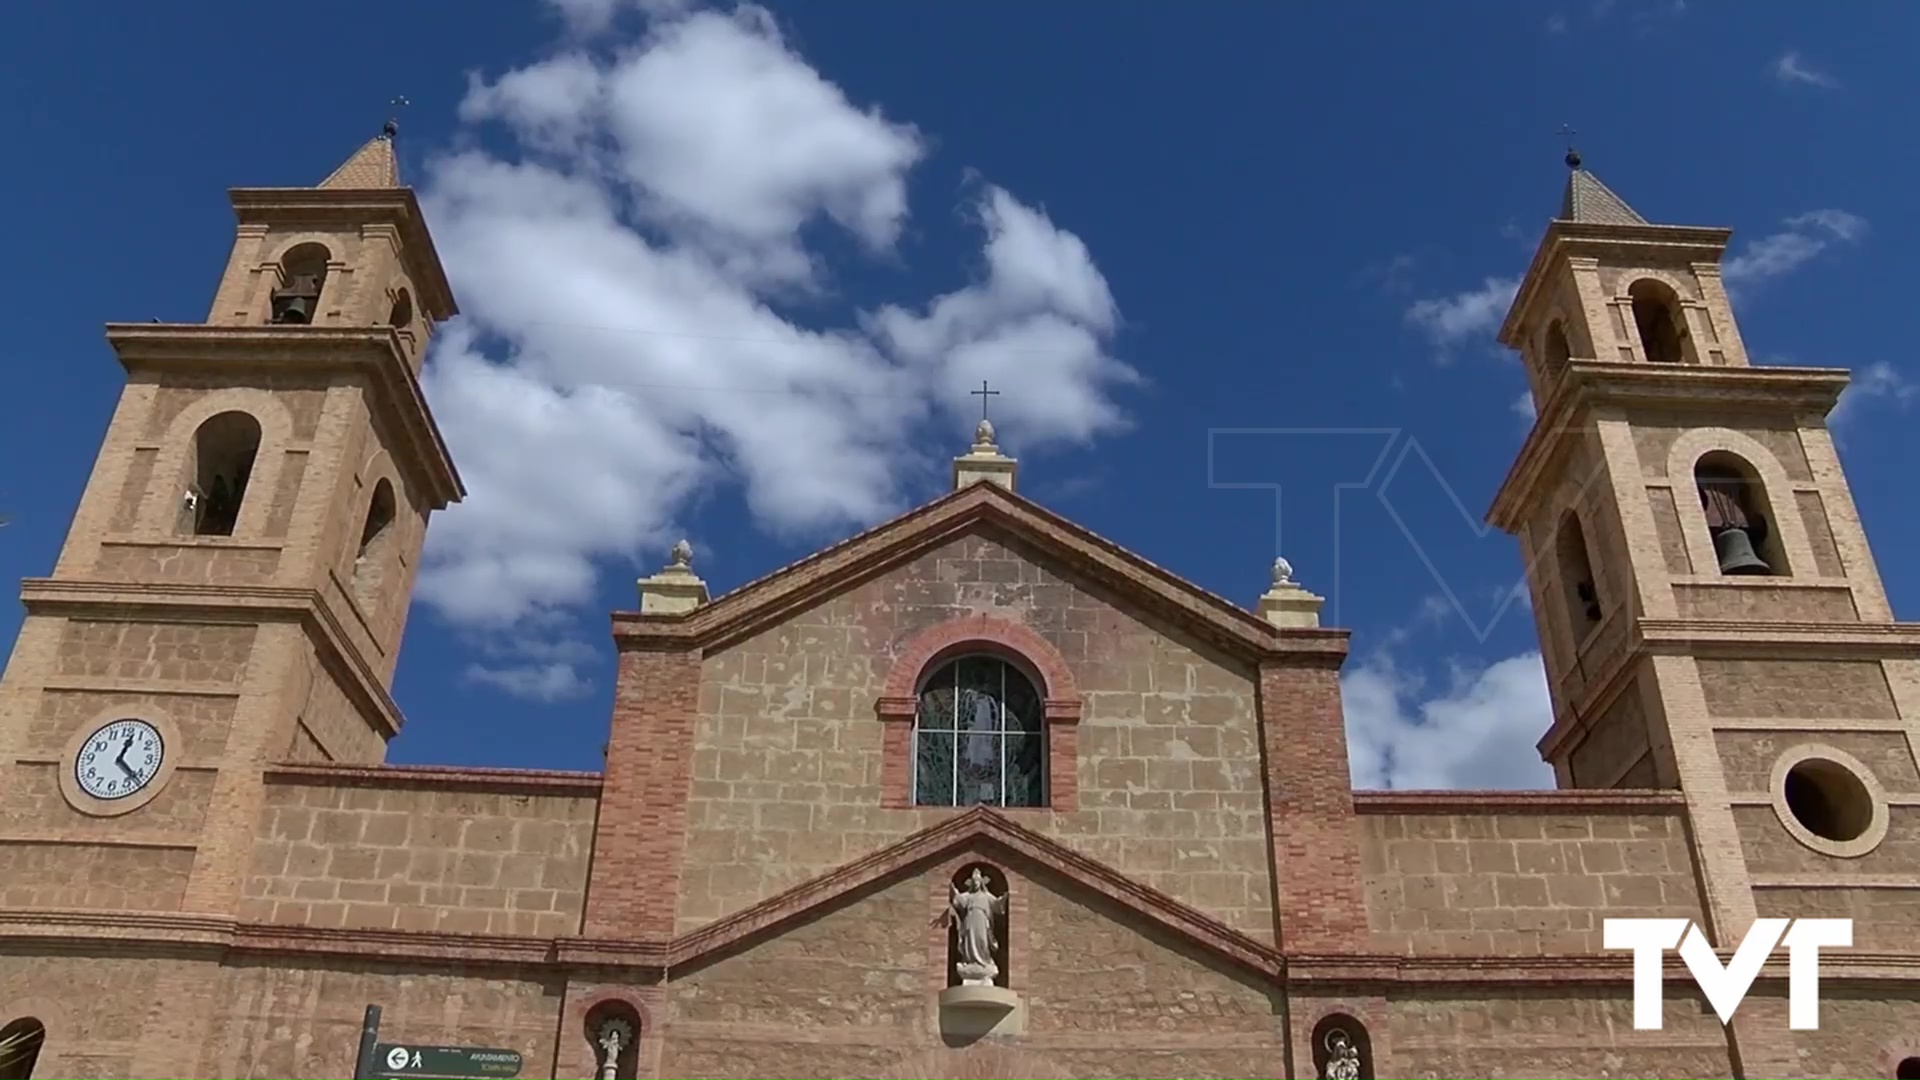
(451,1062)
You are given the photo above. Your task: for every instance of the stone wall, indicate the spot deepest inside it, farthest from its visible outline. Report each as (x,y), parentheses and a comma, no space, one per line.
(1560,1031)
(852,992)
(1520,883)
(1797,689)
(410,850)
(788,749)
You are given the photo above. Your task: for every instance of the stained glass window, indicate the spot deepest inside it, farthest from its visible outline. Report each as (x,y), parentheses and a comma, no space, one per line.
(978,737)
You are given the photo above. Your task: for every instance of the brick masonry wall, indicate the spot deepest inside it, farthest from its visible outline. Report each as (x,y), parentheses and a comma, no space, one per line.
(412,855)
(852,993)
(1558,1031)
(1515,884)
(74,875)
(1748,756)
(1883,919)
(1796,688)
(788,762)
(1771,850)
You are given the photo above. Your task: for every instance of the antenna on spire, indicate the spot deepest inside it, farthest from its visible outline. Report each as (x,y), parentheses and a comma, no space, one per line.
(392,126)
(1573,156)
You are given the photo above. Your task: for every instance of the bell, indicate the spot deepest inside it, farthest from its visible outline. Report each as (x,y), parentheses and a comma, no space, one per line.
(1735,550)
(294,310)
(293,305)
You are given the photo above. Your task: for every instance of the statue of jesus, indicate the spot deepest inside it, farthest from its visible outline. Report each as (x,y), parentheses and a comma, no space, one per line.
(973,913)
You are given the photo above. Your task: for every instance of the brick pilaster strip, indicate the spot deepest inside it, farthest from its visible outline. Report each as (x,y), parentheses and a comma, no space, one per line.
(1320,905)
(639,840)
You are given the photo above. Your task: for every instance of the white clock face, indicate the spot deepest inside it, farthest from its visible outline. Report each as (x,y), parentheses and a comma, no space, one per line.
(119,759)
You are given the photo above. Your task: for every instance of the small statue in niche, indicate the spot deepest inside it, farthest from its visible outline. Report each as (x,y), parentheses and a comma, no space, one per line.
(615,1036)
(1343,1058)
(974,911)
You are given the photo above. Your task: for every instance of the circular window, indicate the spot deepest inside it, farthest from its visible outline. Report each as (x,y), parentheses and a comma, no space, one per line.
(1829,801)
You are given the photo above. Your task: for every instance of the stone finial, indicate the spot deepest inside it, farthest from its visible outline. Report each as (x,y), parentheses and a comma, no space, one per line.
(1286,604)
(984,462)
(676,589)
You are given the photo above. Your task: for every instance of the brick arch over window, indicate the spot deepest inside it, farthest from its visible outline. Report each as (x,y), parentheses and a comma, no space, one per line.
(980,634)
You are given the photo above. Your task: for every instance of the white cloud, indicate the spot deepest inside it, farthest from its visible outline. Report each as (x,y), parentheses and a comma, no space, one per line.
(1448,321)
(1879,382)
(1791,69)
(1804,237)
(552,681)
(1478,732)
(1524,408)
(623,344)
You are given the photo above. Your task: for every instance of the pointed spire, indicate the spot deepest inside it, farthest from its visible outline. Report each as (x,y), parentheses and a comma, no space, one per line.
(1588,200)
(372,166)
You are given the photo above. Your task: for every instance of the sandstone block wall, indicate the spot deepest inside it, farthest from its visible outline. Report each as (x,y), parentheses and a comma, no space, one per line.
(1552,1031)
(404,851)
(788,756)
(853,993)
(1518,884)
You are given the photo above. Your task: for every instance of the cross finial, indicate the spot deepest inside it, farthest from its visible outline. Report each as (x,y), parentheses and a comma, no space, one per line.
(983,394)
(1573,156)
(392,126)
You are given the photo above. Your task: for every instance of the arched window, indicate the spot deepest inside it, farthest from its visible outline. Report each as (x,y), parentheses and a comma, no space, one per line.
(223,453)
(400,316)
(1554,350)
(376,538)
(1656,312)
(979,737)
(1576,576)
(20,1043)
(1735,504)
(1342,1049)
(303,270)
(1908,1069)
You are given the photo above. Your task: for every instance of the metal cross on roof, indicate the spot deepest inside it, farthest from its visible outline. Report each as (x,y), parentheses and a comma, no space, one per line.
(983,394)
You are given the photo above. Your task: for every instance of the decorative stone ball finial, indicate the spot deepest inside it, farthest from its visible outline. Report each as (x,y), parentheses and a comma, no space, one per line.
(682,554)
(983,432)
(1282,572)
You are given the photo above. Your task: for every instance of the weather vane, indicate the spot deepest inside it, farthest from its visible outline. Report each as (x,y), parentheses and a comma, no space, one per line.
(1573,156)
(393,120)
(983,394)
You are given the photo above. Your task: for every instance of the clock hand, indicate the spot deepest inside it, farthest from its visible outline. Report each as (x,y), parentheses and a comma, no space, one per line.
(120,759)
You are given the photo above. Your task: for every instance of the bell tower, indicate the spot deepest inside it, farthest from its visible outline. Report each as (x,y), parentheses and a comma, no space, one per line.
(1709,609)
(233,589)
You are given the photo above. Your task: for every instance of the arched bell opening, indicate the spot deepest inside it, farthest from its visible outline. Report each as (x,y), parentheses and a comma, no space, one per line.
(303,272)
(1739,517)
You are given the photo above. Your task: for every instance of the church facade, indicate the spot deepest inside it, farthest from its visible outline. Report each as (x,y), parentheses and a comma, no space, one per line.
(975,793)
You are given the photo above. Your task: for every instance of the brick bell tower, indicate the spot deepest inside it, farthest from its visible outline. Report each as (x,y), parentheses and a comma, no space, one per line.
(1709,610)
(234,586)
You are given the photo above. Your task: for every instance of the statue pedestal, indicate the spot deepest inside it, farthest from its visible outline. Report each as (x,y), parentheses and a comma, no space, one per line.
(974,1011)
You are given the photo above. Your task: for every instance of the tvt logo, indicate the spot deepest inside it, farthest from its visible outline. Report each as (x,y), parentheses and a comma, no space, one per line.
(1726,987)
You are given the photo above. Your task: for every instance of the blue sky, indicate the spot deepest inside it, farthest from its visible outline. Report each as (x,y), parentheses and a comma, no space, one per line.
(729,272)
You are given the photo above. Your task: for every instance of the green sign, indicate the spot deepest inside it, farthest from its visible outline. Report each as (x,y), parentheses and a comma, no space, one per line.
(452,1062)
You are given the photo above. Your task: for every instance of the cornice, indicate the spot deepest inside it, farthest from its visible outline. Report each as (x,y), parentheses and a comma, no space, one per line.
(1742,637)
(547,782)
(1565,801)
(353,207)
(225,604)
(833,570)
(1588,384)
(374,349)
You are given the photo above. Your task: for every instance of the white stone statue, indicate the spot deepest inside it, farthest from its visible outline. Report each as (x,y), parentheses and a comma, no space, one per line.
(973,913)
(1343,1058)
(615,1034)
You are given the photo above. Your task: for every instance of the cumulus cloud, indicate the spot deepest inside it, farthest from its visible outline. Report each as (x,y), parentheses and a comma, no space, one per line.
(1474,314)
(1803,237)
(628,263)
(1876,383)
(1477,731)
(1789,68)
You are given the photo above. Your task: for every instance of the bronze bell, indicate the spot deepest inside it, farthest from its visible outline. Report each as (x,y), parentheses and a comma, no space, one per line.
(294,304)
(1735,550)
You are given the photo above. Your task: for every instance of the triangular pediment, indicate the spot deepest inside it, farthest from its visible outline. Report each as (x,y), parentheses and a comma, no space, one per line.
(992,836)
(980,508)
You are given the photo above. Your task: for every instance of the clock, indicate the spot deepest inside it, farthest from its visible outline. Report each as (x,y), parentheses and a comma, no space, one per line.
(119,759)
